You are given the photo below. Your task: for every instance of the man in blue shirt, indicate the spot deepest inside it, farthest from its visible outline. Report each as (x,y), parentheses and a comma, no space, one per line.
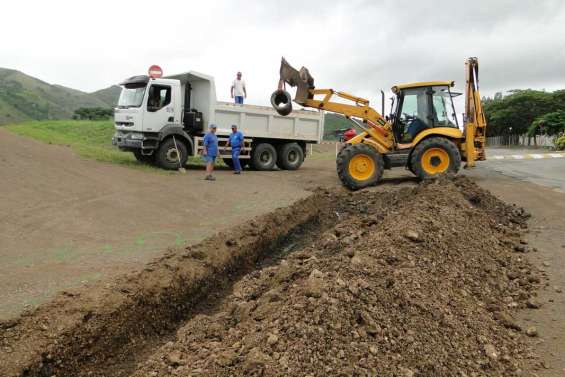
(210,151)
(236,143)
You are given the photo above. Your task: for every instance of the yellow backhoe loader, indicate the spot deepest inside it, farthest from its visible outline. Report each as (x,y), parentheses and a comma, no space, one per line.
(421,133)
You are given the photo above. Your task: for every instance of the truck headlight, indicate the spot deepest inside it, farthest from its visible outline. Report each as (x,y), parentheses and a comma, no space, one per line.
(136,136)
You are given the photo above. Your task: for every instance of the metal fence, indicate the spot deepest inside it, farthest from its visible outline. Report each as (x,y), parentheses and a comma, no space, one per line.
(524,140)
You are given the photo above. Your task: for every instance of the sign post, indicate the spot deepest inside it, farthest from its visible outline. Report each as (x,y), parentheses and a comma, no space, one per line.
(155,72)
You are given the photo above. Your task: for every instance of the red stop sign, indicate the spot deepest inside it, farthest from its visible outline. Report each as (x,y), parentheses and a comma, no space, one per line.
(155,72)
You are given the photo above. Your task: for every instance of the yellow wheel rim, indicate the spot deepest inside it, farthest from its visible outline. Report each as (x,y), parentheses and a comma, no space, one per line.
(361,167)
(435,161)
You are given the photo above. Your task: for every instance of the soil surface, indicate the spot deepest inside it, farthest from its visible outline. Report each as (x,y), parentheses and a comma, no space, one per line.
(65,221)
(546,237)
(418,281)
(75,226)
(401,286)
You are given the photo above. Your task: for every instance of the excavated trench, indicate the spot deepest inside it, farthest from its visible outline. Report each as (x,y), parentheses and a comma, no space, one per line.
(387,280)
(107,329)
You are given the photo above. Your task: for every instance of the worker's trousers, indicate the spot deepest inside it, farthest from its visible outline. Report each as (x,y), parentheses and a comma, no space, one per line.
(235,158)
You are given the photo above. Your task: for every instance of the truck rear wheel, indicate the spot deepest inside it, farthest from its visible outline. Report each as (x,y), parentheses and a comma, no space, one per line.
(167,156)
(264,157)
(290,156)
(229,162)
(435,156)
(359,166)
(143,158)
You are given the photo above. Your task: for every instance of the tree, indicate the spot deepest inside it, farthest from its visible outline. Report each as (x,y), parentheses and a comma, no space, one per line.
(548,124)
(93,113)
(514,113)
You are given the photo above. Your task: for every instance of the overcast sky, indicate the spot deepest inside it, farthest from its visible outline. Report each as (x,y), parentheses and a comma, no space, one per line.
(354,46)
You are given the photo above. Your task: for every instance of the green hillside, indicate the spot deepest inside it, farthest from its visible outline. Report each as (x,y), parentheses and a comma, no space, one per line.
(109,95)
(332,123)
(23,97)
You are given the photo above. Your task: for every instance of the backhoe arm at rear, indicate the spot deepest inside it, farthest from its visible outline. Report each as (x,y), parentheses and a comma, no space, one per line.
(475,124)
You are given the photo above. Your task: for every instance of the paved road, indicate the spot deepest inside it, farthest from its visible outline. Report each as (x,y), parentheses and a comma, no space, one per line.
(537,184)
(547,235)
(548,172)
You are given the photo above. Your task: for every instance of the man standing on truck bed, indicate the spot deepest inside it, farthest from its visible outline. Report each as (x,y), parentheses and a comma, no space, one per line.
(236,143)
(238,91)
(210,151)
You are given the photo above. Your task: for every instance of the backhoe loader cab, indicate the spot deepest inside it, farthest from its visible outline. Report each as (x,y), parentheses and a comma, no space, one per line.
(421,134)
(421,106)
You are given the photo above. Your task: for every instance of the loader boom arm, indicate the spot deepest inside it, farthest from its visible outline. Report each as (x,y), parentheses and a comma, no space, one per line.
(374,124)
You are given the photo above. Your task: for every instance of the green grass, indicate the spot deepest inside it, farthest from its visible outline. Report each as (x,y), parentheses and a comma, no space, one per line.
(90,139)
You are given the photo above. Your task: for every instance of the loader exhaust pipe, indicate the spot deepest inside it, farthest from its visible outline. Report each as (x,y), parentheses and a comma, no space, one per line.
(302,80)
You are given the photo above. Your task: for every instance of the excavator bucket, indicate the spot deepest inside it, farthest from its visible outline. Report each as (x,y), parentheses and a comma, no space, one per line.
(302,80)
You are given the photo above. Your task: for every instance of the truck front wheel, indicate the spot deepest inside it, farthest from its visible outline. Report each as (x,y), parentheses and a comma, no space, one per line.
(290,156)
(168,156)
(264,157)
(143,158)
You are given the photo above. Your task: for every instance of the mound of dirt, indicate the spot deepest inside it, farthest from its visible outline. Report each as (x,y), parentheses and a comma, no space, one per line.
(391,282)
(422,286)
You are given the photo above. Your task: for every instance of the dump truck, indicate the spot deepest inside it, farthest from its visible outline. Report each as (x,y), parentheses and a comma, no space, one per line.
(162,121)
(421,133)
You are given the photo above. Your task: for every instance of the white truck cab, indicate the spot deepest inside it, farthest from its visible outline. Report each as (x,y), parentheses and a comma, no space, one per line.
(163,121)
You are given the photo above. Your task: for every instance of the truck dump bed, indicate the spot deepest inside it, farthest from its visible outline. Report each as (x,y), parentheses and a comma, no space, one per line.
(261,122)
(264,122)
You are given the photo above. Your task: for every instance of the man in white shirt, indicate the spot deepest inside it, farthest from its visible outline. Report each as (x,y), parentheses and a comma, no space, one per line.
(238,91)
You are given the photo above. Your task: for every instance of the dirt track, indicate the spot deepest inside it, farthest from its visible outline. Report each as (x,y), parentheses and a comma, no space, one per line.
(52,195)
(65,222)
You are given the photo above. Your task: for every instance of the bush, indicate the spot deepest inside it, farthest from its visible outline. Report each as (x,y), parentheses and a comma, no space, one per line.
(93,113)
(560,143)
(549,124)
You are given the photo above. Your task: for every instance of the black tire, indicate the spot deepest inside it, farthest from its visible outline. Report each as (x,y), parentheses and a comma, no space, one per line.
(290,156)
(281,102)
(143,158)
(366,158)
(264,157)
(229,162)
(435,156)
(166,156)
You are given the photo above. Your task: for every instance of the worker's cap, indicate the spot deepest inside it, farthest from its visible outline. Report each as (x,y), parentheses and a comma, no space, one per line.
(234,126)
(212,126)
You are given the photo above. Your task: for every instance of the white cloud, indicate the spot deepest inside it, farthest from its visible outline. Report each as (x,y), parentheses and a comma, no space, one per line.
(355,46)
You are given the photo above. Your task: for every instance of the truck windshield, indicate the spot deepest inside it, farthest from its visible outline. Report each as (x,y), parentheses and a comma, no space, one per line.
(131,97)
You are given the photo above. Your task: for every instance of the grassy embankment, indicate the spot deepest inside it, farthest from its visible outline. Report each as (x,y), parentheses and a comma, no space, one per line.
(93,140)
(90,139)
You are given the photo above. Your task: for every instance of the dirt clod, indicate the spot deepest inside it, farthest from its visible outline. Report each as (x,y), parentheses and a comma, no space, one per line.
(491,352)
(532,331)
(413,236)
(533,304)
(175,358)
